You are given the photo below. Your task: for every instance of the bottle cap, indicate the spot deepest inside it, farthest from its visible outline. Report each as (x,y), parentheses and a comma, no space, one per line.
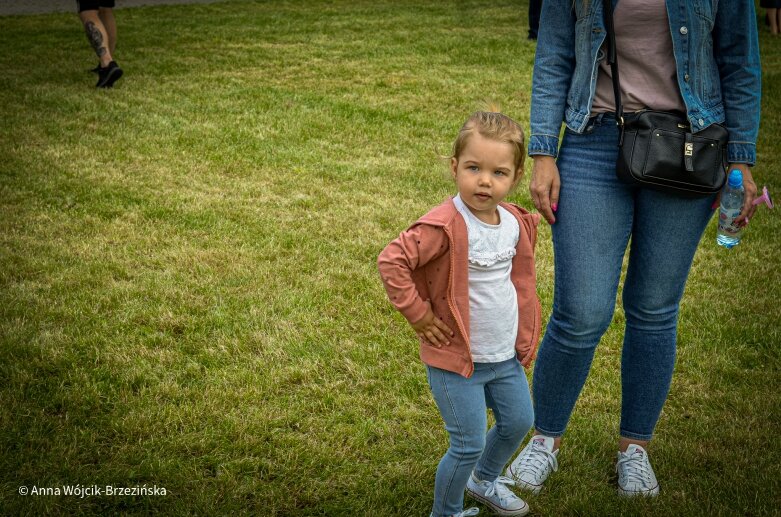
(735,178)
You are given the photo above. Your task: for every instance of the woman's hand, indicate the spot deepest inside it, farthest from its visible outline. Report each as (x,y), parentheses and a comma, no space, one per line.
(544,186)
(750,193)
(432,329)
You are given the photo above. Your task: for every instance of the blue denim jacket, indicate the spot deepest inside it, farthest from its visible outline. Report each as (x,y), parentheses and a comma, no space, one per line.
(717,59)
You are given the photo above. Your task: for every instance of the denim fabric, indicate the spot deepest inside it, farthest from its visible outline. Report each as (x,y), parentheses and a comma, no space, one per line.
(716,51)
(596,217)
(462,402)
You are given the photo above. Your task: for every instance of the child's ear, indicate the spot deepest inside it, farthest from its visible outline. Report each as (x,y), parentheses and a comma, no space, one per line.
(453,166)
(518,176)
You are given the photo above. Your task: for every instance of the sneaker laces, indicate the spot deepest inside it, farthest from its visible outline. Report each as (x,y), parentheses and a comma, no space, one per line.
(538,459)
(636,469)
(468,512)
(498,487)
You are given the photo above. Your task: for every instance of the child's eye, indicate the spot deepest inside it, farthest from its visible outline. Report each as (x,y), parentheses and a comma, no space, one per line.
(500,173)
(472,168)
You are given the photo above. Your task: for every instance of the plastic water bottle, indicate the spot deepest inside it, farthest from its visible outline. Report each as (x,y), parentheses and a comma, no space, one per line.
(731,204)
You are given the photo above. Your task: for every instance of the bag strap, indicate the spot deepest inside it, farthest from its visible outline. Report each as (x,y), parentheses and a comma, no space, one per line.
(612,59)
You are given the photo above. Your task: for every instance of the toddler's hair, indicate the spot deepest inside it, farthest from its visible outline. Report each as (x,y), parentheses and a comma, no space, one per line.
(496,126)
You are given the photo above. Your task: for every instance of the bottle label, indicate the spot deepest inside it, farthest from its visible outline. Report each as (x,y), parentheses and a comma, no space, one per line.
(727,220)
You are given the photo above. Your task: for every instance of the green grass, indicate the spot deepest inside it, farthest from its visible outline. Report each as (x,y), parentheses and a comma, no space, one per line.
(188,291)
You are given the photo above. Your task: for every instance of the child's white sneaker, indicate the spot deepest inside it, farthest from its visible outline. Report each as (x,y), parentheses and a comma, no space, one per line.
(534,464)
(635,475)
(496,496)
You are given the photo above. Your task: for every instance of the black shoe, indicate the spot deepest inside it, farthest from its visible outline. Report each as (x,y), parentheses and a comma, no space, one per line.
(95,70)
(109,75)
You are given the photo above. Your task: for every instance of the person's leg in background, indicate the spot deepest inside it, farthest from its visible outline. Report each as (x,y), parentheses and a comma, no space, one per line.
(106,15)
(773,19)
(778,21)
(535,6)
(101,39)
(96,35)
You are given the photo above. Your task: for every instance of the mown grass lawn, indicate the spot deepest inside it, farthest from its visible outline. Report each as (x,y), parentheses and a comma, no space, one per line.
(188,291)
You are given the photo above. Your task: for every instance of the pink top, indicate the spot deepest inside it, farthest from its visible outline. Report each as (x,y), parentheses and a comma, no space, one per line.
(646,63)
(427,265)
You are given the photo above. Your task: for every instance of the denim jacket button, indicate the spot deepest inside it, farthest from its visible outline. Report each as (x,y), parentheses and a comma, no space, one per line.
(684,30)
(686,77)
(701,122)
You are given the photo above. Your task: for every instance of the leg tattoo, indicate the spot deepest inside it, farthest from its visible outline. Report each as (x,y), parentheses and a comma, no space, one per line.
(95,38)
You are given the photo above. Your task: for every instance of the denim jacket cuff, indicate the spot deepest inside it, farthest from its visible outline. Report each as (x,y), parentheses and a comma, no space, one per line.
(544,144)
(741,152)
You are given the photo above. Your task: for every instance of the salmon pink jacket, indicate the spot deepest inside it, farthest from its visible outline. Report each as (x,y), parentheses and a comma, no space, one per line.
(428,264)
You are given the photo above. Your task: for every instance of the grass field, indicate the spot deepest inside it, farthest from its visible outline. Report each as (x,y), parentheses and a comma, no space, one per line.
(188,290)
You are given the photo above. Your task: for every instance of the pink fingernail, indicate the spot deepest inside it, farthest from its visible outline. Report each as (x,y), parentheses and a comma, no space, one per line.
(555,206)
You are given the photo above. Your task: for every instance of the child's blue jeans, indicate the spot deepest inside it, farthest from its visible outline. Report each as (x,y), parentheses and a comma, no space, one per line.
(462,403)
(597,215)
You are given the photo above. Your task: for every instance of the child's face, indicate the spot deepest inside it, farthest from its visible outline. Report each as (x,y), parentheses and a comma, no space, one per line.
(484,174)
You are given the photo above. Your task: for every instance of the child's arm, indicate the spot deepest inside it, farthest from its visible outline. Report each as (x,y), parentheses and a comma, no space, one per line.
(413,249)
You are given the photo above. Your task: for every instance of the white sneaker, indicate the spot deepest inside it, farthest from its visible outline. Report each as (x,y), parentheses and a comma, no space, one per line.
(496,496)
(533,465)
(635,475)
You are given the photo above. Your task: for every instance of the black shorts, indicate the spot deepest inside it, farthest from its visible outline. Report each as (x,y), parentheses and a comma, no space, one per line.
(93,5)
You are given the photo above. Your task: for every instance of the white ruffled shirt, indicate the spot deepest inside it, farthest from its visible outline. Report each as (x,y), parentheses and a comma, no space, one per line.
(493,302)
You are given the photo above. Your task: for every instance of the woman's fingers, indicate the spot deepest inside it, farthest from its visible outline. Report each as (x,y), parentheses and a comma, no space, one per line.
(554,193)
(544,187)
(544,205)
(750,193)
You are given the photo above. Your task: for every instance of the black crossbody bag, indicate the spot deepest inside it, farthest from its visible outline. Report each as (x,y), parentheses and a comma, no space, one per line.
(658,150)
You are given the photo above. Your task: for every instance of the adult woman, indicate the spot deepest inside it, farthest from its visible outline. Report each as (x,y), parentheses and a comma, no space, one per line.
(684,55)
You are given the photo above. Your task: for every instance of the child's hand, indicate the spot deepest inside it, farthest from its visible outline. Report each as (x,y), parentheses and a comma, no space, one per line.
(433,329)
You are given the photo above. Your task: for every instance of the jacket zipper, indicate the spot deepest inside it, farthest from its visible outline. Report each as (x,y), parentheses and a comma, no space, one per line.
(450,304)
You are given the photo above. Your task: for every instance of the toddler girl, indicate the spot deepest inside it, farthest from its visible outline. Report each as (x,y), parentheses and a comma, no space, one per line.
(463,276)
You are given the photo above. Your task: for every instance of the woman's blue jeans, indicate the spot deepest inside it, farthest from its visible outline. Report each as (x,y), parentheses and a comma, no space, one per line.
(597,215)
(462,403)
